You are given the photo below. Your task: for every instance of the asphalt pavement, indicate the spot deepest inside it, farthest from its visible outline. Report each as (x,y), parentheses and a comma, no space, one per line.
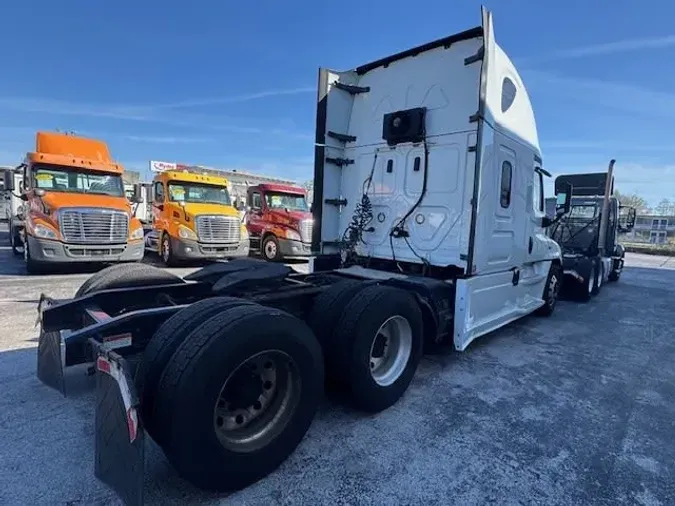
(577,408)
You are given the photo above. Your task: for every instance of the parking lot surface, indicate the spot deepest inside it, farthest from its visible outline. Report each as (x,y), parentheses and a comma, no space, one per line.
(577,408)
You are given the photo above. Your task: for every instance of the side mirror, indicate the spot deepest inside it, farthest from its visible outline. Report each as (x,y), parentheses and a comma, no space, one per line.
(8,180)
(137,195)
(563,201)
(627,218)
(39,192)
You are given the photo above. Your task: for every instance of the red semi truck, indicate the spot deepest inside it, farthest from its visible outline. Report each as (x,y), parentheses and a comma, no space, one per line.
(279,221)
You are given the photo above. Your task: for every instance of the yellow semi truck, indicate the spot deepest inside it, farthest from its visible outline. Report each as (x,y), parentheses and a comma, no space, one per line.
(193,218)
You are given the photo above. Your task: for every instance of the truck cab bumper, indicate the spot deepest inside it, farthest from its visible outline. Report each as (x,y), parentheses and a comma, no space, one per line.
(193,250)
(46,250)
(289,248)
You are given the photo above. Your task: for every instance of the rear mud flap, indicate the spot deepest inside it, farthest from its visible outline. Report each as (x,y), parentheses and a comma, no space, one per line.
(120,438)
(50,360)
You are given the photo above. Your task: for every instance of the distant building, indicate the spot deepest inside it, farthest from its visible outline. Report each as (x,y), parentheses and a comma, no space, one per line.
(653,228)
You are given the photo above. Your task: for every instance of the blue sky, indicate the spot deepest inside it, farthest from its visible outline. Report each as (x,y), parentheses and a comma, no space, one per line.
(232,85)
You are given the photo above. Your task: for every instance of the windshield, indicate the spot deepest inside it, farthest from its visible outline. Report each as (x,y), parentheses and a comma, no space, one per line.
(583,212)
(197,192)
(280,200)
(57,178)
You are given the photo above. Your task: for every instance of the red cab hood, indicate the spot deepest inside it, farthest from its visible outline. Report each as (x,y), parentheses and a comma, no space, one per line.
(289,217)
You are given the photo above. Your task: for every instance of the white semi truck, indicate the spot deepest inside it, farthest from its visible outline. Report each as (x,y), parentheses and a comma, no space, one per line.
(429,228)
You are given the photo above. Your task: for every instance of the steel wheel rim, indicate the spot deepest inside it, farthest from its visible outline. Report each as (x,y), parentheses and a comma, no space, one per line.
(165,249)
(553,290)
(270,249)
(390,350)
(591,280)
(245,422)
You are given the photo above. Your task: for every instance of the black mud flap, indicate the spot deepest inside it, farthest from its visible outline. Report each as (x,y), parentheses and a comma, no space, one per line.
(120,438)
(51,360)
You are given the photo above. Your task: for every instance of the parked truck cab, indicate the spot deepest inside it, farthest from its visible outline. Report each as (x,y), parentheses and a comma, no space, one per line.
(279,221)
(588,233)
(429,231)
(75,209)
(193,218)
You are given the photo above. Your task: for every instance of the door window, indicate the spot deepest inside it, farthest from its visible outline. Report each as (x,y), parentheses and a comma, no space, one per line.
(505,193)
(256,201)
(159,192)
(538,192)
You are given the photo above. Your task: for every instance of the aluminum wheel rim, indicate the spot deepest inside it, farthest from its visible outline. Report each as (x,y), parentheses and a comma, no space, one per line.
(591,280)
(270,249)
(390,350)
(244,421)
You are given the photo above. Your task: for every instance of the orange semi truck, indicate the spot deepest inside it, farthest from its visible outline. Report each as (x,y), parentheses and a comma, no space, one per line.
(75,208)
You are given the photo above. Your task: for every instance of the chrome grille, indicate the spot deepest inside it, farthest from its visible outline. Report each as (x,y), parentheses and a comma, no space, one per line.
(93,226)
(218,229)
(306,227)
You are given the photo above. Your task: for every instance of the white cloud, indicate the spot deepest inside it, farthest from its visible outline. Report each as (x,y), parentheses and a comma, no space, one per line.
(619,46)
(164,140)
(234,99)
(604,146)
(157,113)
(616,95)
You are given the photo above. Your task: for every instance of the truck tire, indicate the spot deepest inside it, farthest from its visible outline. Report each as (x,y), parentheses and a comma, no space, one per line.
(163,344)
(551,291)
(585,288)
(599,274)
(166,251)
(324,316)
(218,439)
(378,345)
(270,249)
(33,267)
(15,240)
(328,306)
(126,275)
(615,273)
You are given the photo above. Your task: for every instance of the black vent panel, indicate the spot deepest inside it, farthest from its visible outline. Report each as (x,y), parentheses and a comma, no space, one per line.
(404,126)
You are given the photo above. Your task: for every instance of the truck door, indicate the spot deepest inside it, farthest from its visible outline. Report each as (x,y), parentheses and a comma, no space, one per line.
(254,216)
(499,208)
(158,215)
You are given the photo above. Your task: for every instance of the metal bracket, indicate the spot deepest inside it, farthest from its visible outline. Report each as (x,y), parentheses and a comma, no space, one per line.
(472,149)
(474,118)
(476,57)
(340,162)
(341,137)
(336,202)
(351,89)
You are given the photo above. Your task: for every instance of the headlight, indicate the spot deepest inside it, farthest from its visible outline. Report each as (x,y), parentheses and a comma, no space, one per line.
(44,231)
(293,235)
(186,233)
(137,234)
(244,233)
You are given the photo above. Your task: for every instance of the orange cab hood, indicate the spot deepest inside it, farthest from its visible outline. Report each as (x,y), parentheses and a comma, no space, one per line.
(57,200)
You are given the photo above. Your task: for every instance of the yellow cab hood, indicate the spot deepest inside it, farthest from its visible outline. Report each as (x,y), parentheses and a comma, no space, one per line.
(195,209)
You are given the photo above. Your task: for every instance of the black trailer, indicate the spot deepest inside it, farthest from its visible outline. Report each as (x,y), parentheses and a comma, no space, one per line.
(588,232)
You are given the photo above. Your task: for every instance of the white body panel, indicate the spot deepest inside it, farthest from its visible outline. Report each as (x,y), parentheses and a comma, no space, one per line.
(479,120)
